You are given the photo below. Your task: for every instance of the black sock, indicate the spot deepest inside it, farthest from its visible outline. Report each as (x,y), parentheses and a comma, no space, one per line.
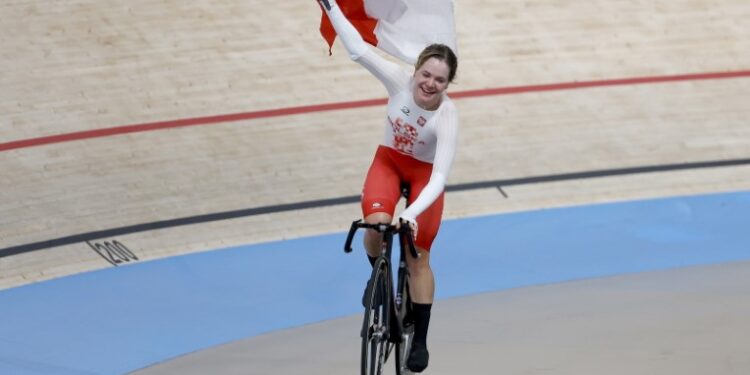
(421,322)
(372,260)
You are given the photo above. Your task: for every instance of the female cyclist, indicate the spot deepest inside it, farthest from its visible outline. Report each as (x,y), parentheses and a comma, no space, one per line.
(421,133)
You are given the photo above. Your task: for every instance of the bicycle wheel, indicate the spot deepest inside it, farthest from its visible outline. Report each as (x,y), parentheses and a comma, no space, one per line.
(375,346)
(403,311)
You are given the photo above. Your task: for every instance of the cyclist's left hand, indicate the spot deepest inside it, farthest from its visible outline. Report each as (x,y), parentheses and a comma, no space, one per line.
(412,225)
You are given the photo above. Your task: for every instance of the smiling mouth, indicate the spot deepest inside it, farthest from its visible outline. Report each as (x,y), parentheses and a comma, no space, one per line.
(428,93)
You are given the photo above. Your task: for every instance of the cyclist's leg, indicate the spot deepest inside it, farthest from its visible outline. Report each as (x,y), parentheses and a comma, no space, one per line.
(422,290)
(428,223)
(379,197)
(421,277)
(422,293)
(423,281)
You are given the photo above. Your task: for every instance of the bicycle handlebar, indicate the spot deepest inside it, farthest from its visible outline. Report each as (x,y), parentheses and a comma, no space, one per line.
(404,230)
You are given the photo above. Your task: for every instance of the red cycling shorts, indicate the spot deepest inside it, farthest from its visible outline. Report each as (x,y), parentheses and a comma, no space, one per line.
(382,190)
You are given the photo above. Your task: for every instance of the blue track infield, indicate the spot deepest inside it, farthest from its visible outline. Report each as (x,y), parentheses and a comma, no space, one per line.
(121,319)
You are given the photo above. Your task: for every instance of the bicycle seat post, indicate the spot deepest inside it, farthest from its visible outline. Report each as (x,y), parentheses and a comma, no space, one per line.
(405,191)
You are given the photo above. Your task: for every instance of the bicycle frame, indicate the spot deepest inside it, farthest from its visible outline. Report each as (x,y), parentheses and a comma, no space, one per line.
(395,304)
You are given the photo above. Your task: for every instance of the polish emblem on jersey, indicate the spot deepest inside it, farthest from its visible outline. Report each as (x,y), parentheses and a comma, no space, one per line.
(421,121)
(404,135)
(377,205)
(405,110)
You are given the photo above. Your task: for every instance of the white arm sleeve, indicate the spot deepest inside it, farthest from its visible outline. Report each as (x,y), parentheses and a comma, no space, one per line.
(389,73)
(447,139)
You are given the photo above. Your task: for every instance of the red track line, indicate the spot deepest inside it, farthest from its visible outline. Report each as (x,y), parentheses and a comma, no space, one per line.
(105,132)
(608,82)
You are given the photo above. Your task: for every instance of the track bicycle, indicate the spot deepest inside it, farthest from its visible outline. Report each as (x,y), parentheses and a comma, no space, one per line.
(387,323)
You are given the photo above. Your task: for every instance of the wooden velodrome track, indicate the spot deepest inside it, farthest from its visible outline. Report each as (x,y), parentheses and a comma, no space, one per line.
(669,89)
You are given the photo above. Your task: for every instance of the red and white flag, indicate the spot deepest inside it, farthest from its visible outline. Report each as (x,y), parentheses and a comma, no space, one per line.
(401,28)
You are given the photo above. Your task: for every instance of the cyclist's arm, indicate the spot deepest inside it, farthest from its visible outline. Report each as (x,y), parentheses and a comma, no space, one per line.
(389,73)
(447,139)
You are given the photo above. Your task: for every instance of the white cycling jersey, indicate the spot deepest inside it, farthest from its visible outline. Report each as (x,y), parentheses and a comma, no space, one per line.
(428,136)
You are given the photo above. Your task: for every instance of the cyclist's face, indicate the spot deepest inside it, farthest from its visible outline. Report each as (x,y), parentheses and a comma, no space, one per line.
(430,81)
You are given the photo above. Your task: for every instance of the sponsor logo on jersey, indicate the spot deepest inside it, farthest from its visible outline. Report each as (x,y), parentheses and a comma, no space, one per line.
(377,205)
(405,110)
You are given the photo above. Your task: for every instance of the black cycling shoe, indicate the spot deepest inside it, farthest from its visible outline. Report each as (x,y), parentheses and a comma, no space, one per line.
(418,358)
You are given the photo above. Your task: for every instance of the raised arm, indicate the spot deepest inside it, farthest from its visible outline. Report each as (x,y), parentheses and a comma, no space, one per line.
(390,74)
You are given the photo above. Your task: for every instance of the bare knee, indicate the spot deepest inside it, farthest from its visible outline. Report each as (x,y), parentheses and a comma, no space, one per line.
(421,266)
(378,217)
(372,238)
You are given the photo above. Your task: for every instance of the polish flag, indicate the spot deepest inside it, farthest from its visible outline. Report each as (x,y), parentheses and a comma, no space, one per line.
(401,28)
